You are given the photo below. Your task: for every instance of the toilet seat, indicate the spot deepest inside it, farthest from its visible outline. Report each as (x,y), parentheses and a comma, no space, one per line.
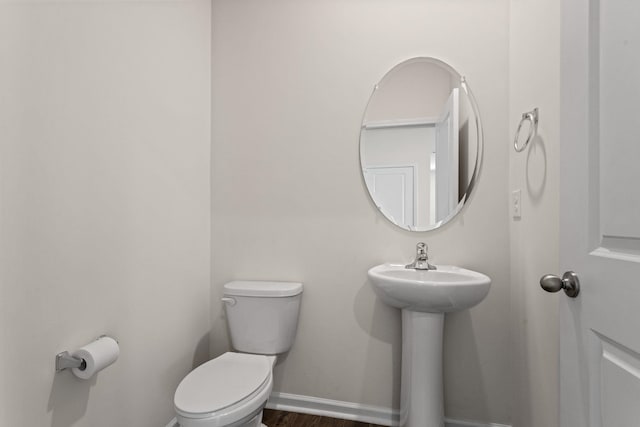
(224,390)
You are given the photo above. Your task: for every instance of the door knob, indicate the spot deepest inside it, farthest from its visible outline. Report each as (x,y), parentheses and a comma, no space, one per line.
(569,282)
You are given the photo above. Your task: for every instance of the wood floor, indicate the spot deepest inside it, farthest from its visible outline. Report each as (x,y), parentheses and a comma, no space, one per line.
(274,418)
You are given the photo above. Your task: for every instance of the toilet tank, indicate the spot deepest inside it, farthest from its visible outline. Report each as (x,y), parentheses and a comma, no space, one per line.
(262,316)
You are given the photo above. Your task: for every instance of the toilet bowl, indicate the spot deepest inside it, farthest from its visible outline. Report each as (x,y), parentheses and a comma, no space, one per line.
(232,389)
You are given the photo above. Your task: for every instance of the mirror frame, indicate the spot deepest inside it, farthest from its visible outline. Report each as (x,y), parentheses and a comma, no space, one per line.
(479,134)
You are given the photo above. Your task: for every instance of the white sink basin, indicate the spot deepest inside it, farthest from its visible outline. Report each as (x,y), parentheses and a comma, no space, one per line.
(443,290)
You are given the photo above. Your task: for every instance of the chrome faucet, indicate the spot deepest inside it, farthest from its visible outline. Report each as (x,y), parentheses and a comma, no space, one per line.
(422,259)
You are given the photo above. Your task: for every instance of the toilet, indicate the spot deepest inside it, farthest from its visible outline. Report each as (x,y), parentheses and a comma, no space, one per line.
(232,389)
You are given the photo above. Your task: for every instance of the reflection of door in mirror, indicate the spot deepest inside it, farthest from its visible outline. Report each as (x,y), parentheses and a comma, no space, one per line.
(393,190)
(446,158)
(428,148)
(395,147)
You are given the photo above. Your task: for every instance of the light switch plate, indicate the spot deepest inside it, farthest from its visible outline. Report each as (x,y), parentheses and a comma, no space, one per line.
(516,204)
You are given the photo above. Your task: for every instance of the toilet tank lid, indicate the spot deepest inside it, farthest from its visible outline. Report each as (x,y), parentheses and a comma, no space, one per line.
(257,288)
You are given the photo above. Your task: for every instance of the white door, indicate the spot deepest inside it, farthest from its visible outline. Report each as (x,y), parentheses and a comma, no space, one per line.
(393,191)
(446,149)
(600,213)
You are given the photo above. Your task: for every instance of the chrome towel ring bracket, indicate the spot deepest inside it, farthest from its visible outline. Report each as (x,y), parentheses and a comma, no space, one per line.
(532,117)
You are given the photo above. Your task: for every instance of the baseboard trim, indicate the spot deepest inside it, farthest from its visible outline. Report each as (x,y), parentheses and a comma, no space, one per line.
(460,423)
(350,411)
(333,408)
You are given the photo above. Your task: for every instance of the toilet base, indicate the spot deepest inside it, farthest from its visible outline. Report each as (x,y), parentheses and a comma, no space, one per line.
(254,420)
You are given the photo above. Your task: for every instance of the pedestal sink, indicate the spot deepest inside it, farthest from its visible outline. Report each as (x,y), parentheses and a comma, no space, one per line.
(424,296)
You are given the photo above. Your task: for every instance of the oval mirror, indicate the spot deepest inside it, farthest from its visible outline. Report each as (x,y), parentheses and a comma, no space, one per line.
(420,144)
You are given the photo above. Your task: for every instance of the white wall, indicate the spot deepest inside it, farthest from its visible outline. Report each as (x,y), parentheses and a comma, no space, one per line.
(290,83)
(534,70)
(105,205)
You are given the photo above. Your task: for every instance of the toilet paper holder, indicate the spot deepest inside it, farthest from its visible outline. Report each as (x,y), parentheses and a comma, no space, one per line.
(65,360)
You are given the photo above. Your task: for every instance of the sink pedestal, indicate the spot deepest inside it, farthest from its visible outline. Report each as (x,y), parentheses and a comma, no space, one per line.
(421,396)
(424,296)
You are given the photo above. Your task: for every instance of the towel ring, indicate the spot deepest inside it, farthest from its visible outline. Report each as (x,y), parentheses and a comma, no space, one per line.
(531,116)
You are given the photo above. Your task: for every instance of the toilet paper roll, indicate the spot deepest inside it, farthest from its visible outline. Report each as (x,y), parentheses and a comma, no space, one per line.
(97,355)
